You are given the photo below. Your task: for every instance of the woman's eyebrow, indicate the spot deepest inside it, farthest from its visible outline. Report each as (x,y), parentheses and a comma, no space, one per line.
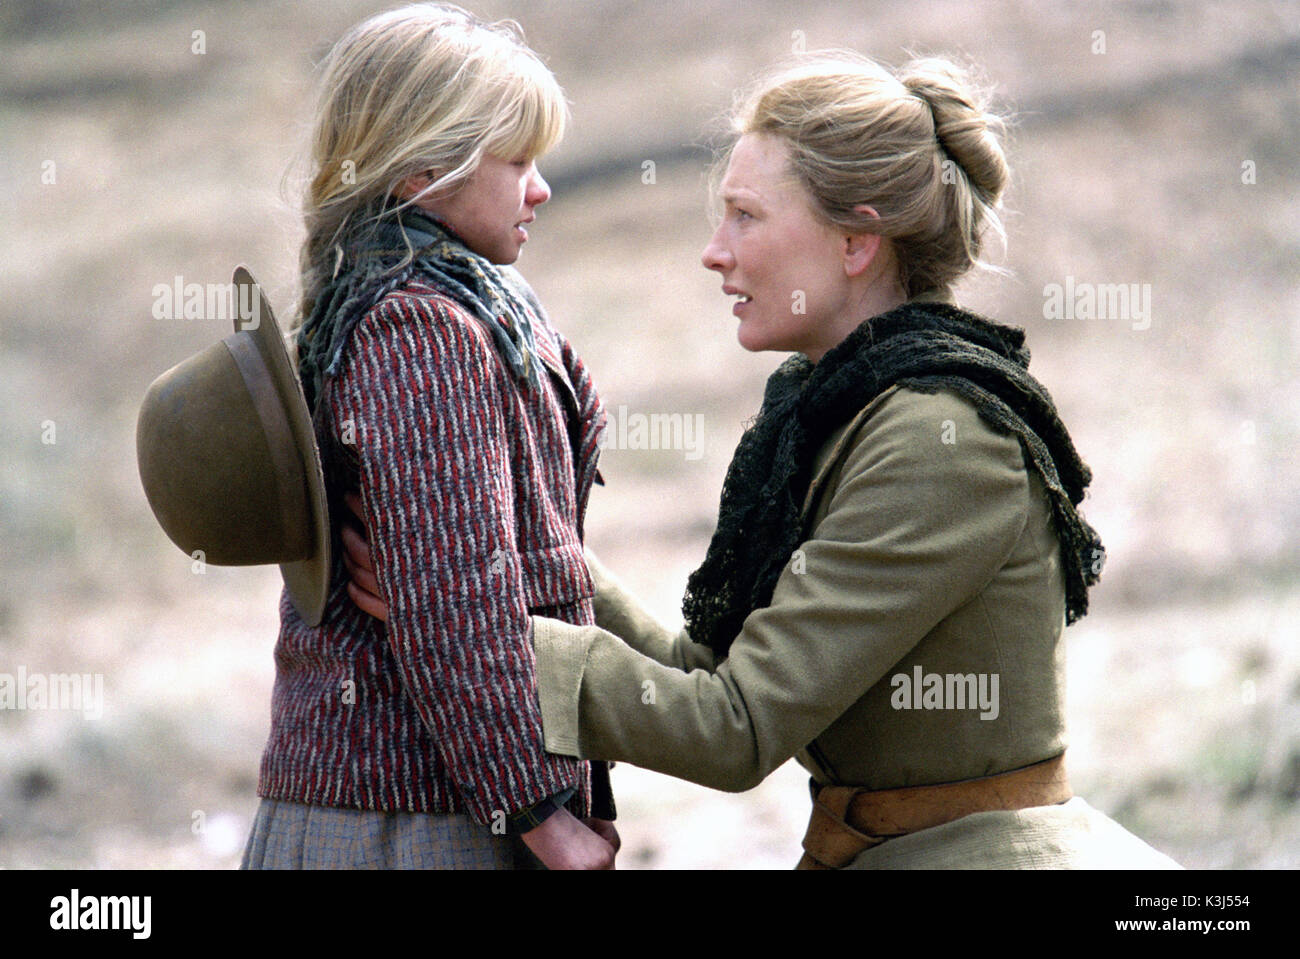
(733,197)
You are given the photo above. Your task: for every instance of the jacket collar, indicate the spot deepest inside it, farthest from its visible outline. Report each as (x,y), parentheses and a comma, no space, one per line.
(836,449)
(838,445)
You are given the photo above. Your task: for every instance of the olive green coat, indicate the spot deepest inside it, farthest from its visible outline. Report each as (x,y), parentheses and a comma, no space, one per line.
(931,552)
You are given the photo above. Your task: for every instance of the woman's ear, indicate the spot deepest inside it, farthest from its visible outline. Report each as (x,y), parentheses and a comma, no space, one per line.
(860,249)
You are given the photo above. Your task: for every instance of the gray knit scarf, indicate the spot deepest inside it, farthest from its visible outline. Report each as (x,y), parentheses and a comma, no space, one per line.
(369,270)
(922,346)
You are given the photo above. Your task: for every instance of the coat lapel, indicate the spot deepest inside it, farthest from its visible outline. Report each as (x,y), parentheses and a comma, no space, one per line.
(836,449)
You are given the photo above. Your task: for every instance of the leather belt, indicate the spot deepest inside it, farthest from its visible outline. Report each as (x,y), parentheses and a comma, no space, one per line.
(848,819)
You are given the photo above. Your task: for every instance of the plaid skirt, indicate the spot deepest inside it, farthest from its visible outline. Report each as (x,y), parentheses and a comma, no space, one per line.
(289,835)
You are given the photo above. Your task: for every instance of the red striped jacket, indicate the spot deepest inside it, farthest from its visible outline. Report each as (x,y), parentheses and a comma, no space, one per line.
(475,488)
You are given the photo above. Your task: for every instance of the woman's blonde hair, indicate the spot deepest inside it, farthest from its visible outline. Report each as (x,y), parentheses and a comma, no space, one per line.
(918,146)
(426,87)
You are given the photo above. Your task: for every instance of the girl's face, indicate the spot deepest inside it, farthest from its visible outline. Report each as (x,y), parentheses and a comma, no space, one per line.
(784,262)
(491,208)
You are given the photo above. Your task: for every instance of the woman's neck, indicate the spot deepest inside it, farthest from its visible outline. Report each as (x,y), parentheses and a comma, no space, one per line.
(876,298)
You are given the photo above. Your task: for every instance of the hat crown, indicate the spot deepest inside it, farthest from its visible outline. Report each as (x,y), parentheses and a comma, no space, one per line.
(208,468)
(229,463)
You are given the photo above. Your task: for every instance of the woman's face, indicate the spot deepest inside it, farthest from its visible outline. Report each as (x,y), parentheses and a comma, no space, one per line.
(781,260)
(784,262)
(490,209)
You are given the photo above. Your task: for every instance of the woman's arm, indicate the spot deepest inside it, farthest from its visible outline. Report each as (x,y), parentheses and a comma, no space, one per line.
(916,527)
(621,613)
(617,610)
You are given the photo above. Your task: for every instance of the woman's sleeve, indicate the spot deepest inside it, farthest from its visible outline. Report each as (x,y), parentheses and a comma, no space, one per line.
(916,527)
(429,417)
(621,613)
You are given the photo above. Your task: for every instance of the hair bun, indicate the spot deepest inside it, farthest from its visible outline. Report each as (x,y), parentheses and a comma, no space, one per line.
(916,146)
(962,124)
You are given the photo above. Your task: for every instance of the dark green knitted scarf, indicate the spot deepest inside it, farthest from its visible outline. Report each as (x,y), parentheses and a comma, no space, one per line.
(370,268)
(920,345)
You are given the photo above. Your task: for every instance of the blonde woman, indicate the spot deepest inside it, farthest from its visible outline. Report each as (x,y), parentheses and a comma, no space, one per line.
(443,395)
(899,546)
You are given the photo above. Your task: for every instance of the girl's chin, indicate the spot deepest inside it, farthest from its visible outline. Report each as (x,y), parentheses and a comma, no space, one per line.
(504,256)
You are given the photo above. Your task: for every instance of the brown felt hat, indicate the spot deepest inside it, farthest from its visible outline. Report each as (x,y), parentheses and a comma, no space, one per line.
(228,456)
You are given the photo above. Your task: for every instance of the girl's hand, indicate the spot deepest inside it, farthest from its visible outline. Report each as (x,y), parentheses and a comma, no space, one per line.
(605,830)
(565,842)
(363,586)
(562,841)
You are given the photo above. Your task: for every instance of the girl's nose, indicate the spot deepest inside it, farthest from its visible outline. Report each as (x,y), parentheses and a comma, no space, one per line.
(539,191)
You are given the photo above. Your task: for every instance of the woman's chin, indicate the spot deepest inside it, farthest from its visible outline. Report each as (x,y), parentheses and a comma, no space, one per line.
(751,340)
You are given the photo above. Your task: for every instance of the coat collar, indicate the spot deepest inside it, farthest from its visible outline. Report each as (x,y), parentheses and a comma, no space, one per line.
(835,449)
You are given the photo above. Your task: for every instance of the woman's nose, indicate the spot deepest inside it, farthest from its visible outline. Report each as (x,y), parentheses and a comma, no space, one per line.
(716,256)
(539,191)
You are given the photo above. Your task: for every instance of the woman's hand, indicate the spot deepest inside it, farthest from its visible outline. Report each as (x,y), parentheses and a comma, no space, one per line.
(363,586)
(565,842)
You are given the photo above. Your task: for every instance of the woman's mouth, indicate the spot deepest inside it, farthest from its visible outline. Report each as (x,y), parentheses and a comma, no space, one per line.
(742,299)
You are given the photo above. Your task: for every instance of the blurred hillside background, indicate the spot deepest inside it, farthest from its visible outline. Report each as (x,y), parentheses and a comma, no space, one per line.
(1156,143)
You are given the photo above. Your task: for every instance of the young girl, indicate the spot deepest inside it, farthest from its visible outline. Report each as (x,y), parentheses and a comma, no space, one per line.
(441,392)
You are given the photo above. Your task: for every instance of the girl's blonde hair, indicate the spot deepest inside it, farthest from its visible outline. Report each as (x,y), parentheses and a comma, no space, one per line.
(426,87)
(918,146)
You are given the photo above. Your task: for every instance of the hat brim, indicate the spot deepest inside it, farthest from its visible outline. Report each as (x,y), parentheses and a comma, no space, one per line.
(307,580)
